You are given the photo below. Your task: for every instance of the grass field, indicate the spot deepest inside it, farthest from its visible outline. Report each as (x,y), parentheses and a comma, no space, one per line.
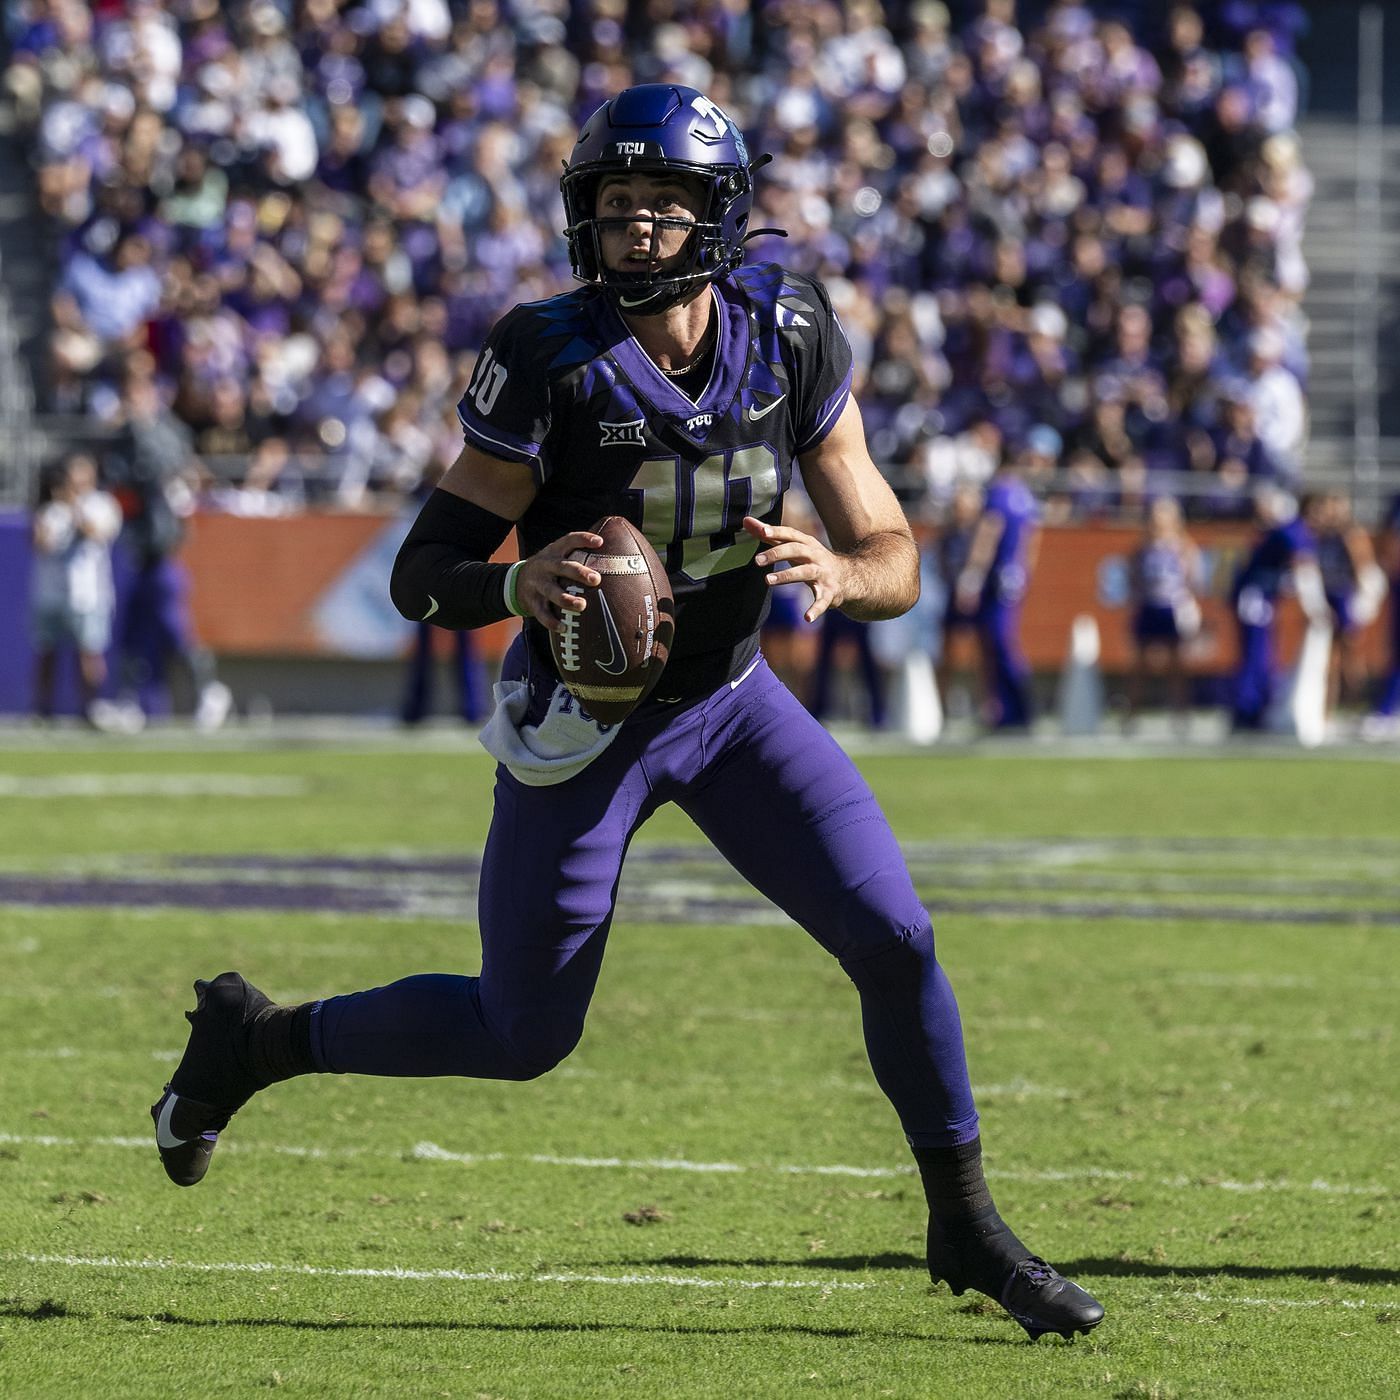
(1178,976)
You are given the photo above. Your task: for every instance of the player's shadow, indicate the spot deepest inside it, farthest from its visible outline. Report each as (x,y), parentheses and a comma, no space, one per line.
(49,1310)
(1095,1267)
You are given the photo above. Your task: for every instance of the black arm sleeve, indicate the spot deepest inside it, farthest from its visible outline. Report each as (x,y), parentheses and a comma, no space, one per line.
(441,574)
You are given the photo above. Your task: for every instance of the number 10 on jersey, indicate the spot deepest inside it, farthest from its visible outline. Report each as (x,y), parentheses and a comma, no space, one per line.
(692,503)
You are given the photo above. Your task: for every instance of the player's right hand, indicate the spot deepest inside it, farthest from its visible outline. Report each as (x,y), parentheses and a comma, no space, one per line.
(544,578)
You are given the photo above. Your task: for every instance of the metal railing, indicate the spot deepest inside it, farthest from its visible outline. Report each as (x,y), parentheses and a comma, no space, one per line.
(19,439)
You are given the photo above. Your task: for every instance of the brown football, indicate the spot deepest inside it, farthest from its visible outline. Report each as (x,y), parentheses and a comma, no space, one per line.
(611,654)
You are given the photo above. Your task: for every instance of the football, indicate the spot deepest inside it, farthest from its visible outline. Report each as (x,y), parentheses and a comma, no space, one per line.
(611,654)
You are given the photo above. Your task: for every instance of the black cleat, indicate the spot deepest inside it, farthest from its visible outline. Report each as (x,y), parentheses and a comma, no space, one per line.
(1042,1301)
(213,1080)
(1038,1297)
(187,1132)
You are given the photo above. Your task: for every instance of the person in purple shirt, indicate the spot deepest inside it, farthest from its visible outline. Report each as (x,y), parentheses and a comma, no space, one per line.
(994,580)
(679,388)
(1284,558)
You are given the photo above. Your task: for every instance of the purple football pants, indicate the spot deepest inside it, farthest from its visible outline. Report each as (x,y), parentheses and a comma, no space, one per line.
(782,803)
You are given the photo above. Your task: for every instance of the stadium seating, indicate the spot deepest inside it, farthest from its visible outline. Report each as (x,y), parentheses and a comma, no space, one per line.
(1076,235)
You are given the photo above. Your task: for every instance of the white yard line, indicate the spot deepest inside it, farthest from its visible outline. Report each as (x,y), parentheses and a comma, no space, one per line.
(1277,1302)
(432,1152)
(78,1261)
(151,785)
(499,1276)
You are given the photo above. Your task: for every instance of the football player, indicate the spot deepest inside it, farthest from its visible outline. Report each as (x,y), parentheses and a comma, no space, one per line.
(1284,557)
(992,587)
(676,387)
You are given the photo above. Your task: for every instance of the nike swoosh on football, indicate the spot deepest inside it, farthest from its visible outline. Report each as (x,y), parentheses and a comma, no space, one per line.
(432,609)
(754,414)
(164,1137)
(616,663)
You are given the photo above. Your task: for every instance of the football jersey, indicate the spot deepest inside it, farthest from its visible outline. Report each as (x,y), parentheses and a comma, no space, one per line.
(1273,557)
(1010,498)
(1335,563)
(1160,575)
(562,386)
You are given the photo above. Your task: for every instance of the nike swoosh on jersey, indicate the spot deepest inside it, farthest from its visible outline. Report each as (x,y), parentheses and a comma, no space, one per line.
(616,663)
(754,414)
(164,1137)
(432,609)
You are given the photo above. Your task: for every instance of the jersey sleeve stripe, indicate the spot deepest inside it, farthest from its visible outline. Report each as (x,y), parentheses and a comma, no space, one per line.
(830,411)
(515,450)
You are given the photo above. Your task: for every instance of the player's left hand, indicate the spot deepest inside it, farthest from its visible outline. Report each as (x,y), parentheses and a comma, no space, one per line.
(809,561)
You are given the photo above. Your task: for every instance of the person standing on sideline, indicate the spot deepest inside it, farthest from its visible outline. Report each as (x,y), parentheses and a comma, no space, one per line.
(1284,556)
(1355,586)
(152,471)
(71,592)
(951,550)
(1384,720)
(994,582)
(678,387)
(1164,577)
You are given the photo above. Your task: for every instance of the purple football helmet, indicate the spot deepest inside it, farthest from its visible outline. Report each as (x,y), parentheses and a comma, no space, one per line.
(656,129)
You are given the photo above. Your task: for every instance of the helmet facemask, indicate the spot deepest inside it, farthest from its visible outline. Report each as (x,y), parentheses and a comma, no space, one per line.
(705,255)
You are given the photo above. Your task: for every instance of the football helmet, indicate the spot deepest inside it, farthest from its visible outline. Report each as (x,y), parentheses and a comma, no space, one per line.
(660,128)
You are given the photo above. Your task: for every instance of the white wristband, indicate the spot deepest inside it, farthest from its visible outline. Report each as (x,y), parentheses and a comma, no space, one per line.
(508,591)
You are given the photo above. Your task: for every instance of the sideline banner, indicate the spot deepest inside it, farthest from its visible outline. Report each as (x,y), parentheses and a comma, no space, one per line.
(305,585)
(316,584)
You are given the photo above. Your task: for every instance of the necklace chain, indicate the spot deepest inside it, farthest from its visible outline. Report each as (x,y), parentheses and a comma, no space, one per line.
(702,350)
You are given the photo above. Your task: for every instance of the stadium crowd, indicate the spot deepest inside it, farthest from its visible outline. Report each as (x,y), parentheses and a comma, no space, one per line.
(1071,236)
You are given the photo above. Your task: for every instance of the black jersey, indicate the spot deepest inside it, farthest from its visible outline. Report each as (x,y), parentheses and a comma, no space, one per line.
(563,386)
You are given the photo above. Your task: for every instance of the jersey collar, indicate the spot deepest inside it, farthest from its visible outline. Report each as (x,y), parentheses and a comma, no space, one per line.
(693,417)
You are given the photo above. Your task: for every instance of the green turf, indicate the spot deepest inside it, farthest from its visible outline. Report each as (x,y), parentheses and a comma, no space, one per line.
(1192,1112)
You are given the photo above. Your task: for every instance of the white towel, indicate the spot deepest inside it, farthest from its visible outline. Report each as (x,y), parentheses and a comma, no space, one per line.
(565,742)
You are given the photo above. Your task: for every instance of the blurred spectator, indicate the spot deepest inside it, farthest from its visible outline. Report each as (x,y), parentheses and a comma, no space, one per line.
(958,633)
(1355,588)
(993,582)
(71,593)
(843,645)
(155,476)
(1165,581)
(1236,456)
(1280,412)
(304,177)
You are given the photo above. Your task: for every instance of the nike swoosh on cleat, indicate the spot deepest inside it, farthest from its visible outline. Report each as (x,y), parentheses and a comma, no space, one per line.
(165,1139)
(431,610)
(616,663)
(754,414)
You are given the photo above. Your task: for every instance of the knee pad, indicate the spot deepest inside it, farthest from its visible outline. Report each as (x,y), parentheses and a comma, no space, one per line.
(535,1048)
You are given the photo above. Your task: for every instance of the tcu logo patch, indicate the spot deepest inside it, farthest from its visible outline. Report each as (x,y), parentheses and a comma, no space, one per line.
(701,420)
(623,434)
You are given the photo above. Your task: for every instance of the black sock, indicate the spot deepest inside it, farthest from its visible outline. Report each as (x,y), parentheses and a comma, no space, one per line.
(973,1245)
(279,1043)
